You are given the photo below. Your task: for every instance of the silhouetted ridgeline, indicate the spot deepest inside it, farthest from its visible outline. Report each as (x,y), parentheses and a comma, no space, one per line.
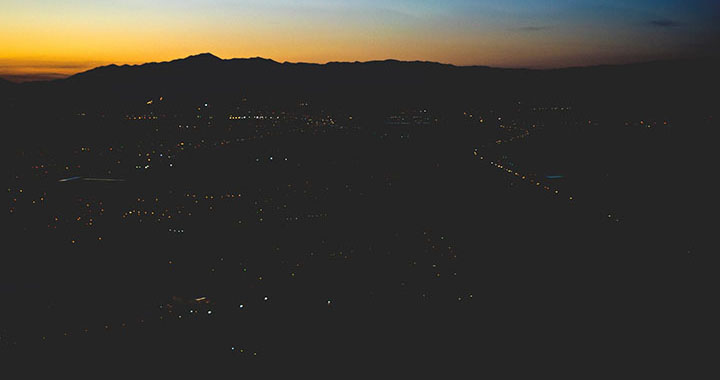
(375,86)
(4,83)
(6,89)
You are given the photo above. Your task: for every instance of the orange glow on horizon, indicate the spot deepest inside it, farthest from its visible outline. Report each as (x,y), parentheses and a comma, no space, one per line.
(55,39)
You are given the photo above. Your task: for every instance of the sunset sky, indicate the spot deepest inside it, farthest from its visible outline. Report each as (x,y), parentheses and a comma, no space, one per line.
(49,38)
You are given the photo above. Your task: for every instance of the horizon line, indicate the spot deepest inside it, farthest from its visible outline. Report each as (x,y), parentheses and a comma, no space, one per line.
(52,76)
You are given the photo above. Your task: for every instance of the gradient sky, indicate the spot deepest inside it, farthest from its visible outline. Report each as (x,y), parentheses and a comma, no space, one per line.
(45,38)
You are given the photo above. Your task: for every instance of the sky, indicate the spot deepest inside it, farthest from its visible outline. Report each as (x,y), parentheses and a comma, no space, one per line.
(52,38)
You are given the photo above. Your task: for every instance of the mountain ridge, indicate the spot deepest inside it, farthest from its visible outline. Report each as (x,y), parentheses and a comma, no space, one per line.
(372,85)
(209,58)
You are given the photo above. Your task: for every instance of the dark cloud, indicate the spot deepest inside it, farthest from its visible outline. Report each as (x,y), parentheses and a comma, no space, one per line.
(32,77)
(664,23)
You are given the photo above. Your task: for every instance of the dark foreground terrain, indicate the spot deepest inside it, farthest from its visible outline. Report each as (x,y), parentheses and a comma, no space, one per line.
(524,236)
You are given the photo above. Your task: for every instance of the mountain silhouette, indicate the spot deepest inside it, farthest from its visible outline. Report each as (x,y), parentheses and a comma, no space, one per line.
(6,84)
(375,87)
(206,77)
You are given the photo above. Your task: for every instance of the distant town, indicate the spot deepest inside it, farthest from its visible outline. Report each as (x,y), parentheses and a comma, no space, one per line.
(248,228)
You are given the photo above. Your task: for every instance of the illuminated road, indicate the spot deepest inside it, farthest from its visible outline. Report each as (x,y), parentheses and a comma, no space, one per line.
(531,179)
